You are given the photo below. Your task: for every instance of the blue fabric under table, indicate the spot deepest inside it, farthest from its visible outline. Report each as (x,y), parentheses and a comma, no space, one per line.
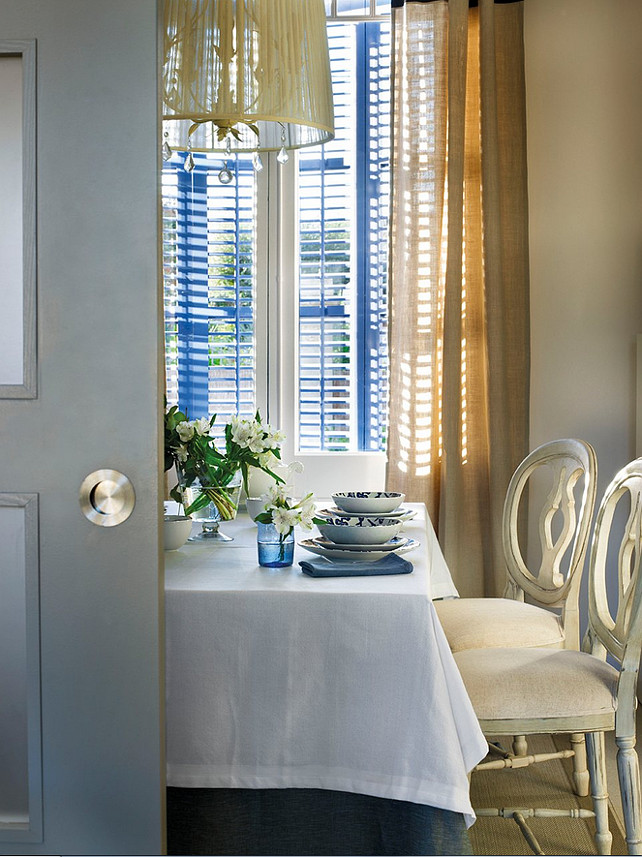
(307,822)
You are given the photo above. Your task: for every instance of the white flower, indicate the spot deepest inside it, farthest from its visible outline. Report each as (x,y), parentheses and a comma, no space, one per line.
(180,452)
(273,437)
(278,495)
(308,500)
(283,515)
(257,440)
(307,510)
(308,506)
(202,426)
(256,445)
(185,430)
(245,433)
(284,520)
(268,459)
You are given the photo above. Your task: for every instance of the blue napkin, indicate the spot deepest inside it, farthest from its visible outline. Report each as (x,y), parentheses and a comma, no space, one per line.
(320,567)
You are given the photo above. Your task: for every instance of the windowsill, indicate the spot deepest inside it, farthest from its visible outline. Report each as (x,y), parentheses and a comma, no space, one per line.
(325,473)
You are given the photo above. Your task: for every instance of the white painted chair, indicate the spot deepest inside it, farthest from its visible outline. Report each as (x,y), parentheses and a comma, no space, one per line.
(529,691)
(478,623)
(569,467)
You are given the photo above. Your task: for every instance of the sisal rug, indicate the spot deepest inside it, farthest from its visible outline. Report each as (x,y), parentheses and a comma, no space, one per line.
(544,785)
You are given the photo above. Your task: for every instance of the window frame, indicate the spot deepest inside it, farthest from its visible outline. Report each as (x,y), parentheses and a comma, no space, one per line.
(324,472)
(276,324)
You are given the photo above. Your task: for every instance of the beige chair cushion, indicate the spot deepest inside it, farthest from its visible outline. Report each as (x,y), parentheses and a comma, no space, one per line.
(479,623)
(516,684)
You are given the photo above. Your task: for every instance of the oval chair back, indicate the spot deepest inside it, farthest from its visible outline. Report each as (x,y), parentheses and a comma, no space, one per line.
(563,528)
(619,631)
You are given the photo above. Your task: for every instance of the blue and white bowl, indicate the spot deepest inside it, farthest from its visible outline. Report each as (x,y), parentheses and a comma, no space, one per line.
(355,530)
(372,502)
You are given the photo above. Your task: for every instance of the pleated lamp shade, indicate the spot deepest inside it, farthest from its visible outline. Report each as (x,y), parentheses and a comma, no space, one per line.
(233,68)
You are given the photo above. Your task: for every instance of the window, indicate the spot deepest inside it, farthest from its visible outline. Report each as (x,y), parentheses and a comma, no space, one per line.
(275,284)
(208,267)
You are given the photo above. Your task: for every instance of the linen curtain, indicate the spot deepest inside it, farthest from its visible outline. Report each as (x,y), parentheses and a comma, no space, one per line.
(459,290)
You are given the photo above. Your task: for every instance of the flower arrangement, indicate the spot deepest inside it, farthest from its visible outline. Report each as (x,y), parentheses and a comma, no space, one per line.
(191,449)
(284,516)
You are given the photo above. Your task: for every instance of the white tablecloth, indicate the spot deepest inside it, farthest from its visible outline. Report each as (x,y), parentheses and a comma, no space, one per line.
(279,680)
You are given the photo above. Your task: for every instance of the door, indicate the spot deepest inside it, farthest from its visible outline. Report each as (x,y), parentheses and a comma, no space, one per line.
(80,394)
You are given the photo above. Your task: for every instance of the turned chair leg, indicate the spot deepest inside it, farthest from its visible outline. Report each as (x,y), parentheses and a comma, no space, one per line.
(520,745)
(629,775)
(580,771)
(597,765)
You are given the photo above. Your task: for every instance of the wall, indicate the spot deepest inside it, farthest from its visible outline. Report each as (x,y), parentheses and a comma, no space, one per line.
(584,114)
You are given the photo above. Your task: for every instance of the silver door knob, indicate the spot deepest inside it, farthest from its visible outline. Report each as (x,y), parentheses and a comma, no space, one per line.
(107,498)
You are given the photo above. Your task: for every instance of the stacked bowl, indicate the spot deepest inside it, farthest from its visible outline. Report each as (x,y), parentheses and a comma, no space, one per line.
(357,530)
(369,502)
(361,517)
(363,525)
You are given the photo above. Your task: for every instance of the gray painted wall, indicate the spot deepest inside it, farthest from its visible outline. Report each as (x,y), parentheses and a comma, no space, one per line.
(584,114)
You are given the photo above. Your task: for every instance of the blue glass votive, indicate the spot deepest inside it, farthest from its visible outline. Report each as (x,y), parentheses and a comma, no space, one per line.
(275,550)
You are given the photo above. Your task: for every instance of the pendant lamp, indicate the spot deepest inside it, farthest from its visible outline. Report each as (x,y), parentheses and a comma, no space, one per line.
(246,76)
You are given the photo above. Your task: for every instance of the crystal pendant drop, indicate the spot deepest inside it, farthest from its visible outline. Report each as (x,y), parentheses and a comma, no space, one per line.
(167,152)
(283,156)
(188,164)
(257,163)
(225,176)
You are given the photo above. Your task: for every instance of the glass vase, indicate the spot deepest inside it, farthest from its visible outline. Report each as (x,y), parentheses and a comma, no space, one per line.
(222,506)
(275,550)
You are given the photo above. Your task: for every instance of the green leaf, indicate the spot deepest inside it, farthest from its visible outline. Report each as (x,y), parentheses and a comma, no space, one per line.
(199,503)
(176,494)
(270,473)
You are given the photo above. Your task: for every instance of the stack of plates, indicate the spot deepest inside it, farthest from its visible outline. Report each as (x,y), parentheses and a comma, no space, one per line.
(371,553)
(362,526)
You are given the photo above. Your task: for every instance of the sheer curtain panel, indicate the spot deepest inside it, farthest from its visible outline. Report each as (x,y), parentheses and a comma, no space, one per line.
(459,293)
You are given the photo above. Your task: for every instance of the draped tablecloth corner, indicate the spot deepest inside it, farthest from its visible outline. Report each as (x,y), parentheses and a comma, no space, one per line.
(278,680)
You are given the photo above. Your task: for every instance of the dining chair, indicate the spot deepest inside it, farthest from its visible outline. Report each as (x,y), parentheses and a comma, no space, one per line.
(542,690)
(568,469)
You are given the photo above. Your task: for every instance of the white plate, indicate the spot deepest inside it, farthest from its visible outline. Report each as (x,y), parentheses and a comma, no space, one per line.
(394,544)
(335,512)
(357,556)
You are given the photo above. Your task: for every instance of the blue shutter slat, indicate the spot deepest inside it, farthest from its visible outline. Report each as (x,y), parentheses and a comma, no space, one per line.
(343,236)
(208,245)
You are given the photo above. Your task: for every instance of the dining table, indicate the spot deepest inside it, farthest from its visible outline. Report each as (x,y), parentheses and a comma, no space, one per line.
(309,715)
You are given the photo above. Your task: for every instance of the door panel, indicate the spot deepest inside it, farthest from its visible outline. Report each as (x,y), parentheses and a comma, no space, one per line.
(89,625)
(17,215)
(20,771)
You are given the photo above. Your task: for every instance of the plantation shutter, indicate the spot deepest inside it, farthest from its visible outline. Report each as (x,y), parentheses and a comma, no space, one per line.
(208,259)
(343,242)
